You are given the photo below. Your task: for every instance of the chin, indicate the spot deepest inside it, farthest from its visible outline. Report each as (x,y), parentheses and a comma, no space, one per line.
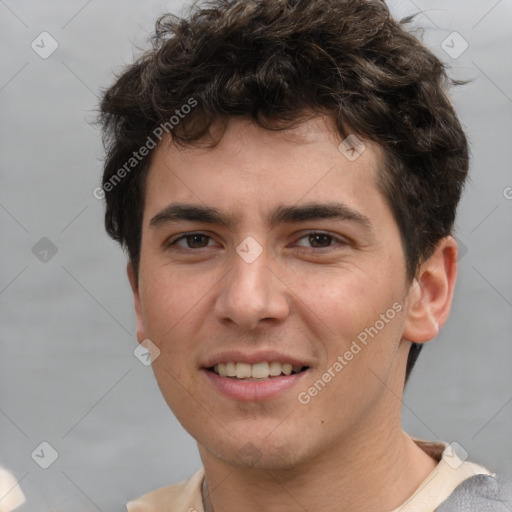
(258,452)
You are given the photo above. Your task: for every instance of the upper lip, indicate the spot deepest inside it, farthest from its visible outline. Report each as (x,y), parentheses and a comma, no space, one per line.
(239,356)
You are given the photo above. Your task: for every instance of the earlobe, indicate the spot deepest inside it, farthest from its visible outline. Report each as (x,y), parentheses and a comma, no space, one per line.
(141,330)
(430,295)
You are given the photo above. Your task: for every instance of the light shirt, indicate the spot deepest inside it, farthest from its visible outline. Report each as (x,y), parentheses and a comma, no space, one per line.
(436,488)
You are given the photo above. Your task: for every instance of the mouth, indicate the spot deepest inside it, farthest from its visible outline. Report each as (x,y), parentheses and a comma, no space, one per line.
(257,371)
(259,381)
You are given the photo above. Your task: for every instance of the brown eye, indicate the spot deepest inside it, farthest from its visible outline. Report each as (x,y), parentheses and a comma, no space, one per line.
(318,240)
(196,241)
(191,241)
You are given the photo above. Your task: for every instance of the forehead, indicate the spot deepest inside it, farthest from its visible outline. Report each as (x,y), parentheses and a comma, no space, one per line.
(253,169)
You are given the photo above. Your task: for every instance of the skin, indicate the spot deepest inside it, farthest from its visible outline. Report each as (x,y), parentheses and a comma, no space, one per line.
(345,449)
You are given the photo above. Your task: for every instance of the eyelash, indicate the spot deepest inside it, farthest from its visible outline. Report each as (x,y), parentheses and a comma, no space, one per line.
(333,238)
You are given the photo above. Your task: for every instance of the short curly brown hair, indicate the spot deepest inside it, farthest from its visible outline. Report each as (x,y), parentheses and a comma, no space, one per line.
(281,62)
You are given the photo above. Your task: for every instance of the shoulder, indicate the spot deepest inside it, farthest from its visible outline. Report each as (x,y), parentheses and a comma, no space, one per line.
(479,493)
(183,496)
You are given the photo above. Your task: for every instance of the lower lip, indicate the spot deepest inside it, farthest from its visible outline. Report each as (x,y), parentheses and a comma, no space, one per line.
(253,390)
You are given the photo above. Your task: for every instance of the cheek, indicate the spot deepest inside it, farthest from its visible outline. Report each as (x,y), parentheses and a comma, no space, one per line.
(169,308)
(347,307)
(168,300)
(344,300)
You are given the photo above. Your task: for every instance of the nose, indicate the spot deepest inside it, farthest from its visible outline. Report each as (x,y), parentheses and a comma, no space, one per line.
(251,293)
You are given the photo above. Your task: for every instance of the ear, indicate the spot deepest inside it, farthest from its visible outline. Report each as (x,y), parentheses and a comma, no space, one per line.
(430,294)
(141,330)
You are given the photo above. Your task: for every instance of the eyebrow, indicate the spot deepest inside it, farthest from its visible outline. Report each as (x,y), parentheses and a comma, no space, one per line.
(280,215)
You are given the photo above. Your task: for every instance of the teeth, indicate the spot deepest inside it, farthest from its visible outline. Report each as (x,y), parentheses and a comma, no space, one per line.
(275,369)
(256,371)
(243,370)
(260,371)
(287,369)
(230,369)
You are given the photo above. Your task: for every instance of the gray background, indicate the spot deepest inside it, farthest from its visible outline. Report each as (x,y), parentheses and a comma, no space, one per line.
(67,371)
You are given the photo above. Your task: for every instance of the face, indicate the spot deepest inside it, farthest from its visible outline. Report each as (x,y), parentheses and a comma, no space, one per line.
(272,253)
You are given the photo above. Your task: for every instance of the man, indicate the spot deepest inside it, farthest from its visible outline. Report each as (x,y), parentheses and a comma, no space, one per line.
(285,175)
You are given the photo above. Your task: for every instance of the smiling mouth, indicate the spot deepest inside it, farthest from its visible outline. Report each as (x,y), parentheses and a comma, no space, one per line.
(257,371)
